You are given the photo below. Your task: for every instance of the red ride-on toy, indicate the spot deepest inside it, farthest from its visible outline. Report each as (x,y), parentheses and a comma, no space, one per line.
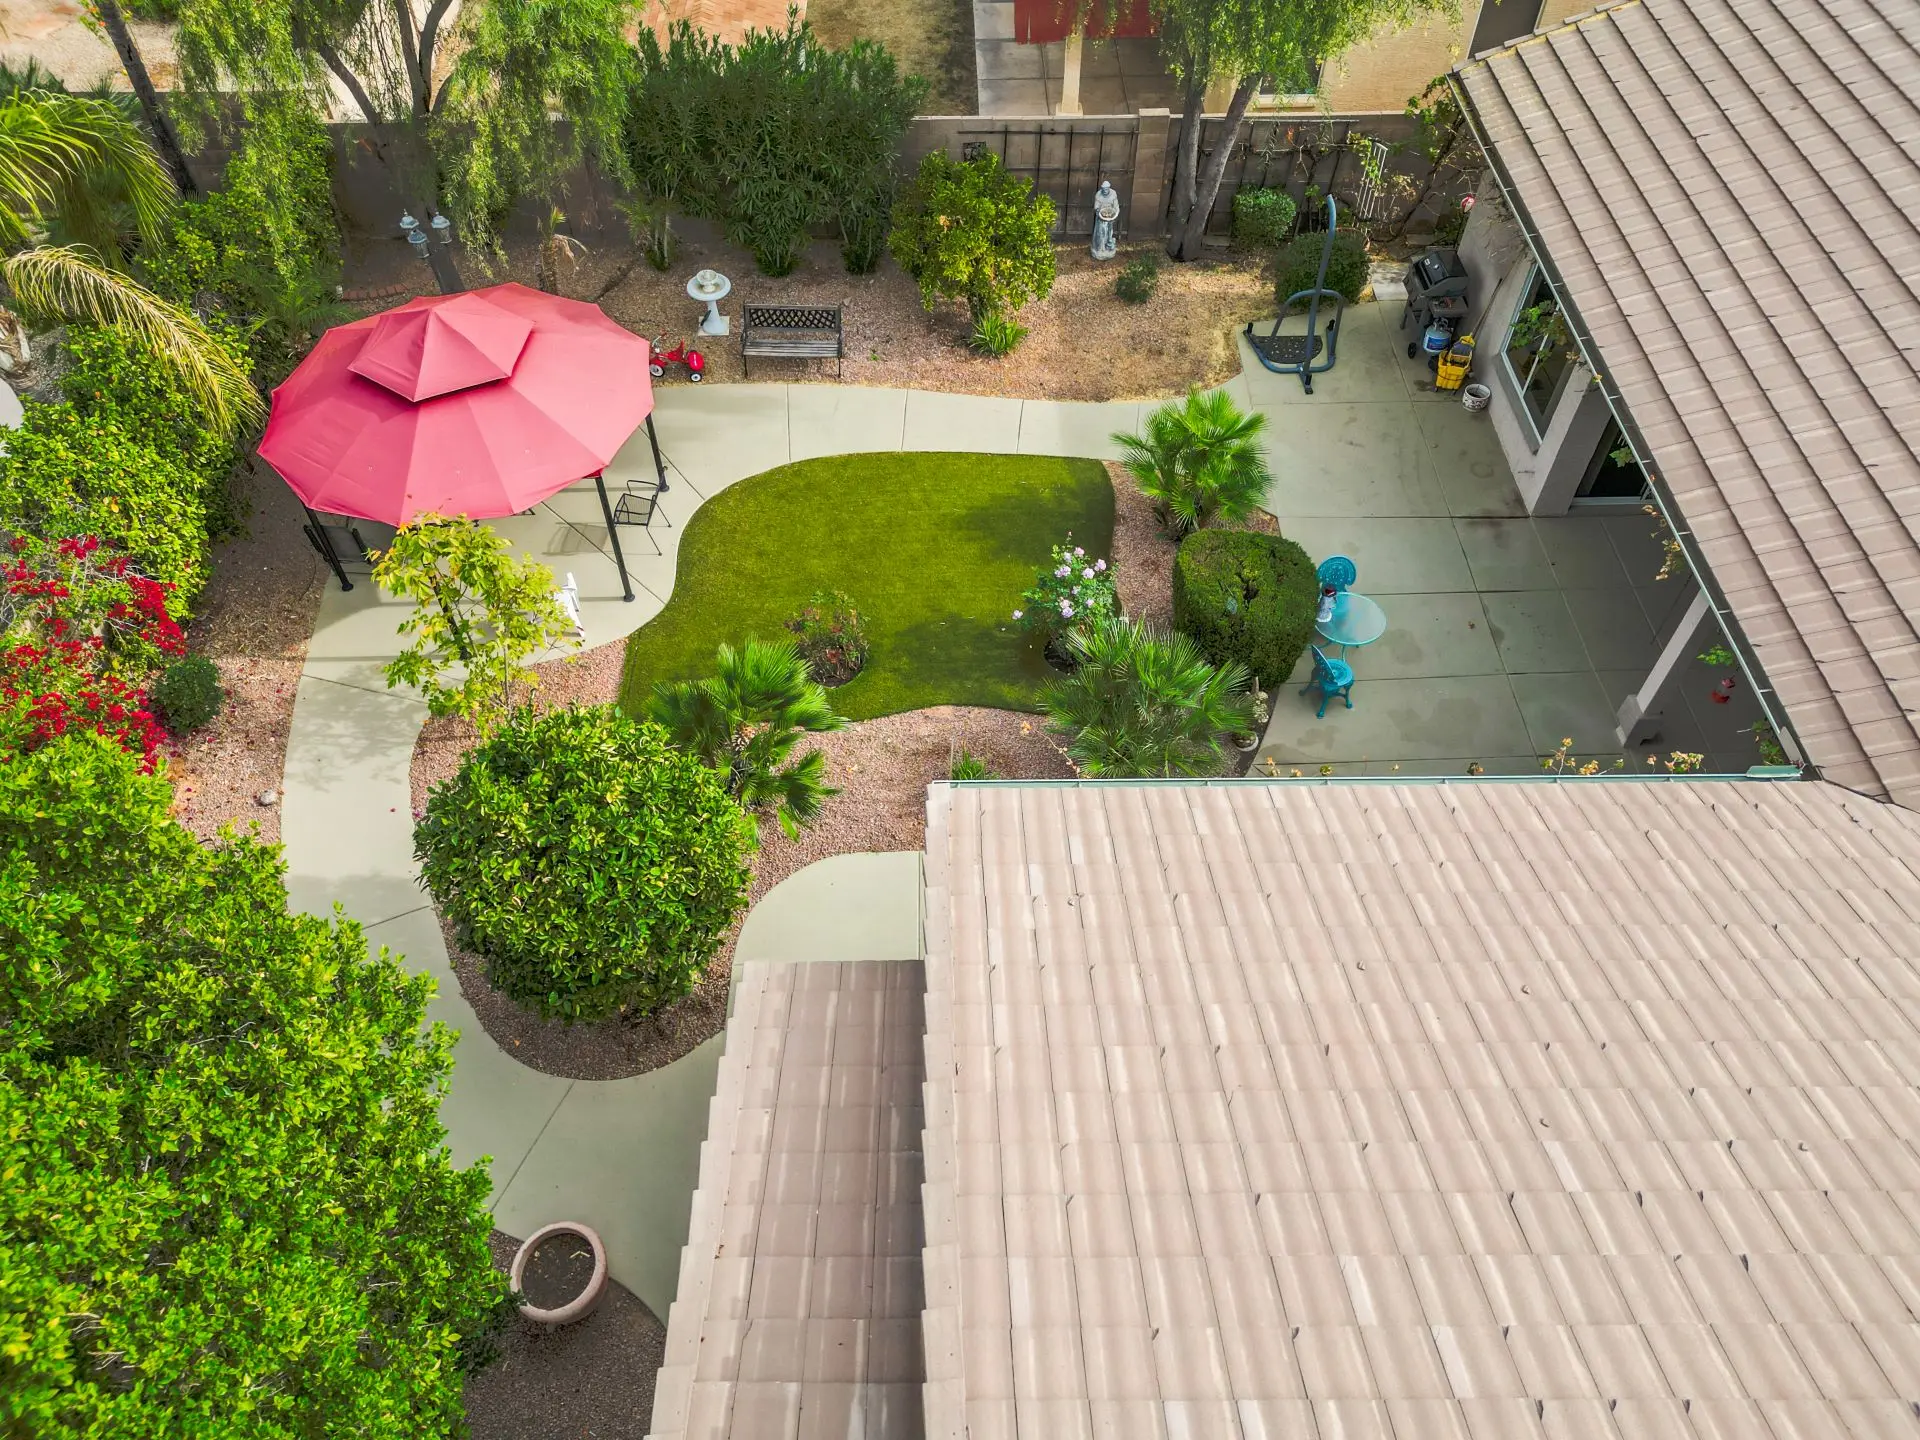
(680,354)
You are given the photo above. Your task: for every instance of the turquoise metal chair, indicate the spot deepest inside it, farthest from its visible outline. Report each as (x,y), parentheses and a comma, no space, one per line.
(1339,572)
(1331,677)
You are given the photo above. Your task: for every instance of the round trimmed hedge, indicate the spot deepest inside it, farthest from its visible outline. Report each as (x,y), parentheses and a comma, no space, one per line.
(590,863)
(1247,597)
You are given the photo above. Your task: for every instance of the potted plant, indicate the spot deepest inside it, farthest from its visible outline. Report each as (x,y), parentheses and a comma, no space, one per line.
(560,1273)
(1249,740)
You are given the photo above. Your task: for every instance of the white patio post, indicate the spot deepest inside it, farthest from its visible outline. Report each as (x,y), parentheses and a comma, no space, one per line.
(1642,712)
(1070,69)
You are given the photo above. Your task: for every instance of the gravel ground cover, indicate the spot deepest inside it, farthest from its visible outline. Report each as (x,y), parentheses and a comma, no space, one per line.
(1083,342)
(590,1379)
(253,620)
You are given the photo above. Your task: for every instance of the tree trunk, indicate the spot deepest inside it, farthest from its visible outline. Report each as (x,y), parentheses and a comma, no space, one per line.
(164,140)
(440,257)
(1194,226)
(1186,163)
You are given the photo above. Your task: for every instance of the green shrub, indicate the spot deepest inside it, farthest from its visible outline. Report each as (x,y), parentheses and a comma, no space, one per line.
(110,377)
(220,1132)
(590,863)
(1246,597)
(1142,702)
(1199,460)
(64,474)
(772,137)
(973,231)
(1450,226)
(266,268)
(1262,218)
(1137,280)
(1346,267)
(965,765)
(1071,591)
(831,636)
(188,695)
(996,335)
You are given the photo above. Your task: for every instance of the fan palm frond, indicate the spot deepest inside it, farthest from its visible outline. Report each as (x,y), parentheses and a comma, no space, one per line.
(1198,460)
(66,283)
(1145,702)
(60,153)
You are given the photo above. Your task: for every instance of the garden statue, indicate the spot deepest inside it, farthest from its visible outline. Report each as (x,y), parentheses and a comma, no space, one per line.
(1106,212)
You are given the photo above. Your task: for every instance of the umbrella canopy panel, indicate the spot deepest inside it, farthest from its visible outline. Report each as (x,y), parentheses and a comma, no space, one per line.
(481,404)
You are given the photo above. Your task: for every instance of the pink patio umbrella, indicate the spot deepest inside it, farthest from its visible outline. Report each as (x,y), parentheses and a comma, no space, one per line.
(480,404)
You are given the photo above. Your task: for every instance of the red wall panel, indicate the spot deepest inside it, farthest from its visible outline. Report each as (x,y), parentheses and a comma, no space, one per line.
(1035,21)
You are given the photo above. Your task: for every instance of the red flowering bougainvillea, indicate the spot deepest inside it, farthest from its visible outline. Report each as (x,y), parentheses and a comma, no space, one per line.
(73,624)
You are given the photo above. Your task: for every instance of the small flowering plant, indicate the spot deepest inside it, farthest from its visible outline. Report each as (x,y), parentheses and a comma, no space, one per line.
(1074,590)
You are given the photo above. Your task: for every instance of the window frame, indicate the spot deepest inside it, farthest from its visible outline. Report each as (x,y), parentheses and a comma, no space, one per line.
(1537,426)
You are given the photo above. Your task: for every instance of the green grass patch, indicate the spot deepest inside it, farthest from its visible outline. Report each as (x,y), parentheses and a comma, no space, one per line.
(934,549)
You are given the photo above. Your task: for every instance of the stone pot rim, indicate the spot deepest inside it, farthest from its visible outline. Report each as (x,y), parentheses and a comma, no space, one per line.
(582,1304)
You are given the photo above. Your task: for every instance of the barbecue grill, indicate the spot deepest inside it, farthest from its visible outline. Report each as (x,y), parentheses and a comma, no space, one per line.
(1436,291)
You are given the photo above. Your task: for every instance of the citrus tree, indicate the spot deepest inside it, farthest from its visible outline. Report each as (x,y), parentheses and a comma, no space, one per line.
(228,1207)
(969,230)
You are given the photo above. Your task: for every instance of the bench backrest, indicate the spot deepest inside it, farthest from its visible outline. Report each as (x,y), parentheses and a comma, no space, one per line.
(791,317)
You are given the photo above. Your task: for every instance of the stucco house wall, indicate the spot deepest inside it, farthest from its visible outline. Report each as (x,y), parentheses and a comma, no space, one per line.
(1499,267)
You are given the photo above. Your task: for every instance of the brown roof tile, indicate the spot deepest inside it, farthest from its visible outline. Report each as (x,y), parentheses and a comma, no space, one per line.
(1647,1171)
(1726,189)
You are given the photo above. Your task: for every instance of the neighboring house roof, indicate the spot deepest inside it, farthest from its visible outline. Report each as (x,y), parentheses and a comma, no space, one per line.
(1727,191)
(798,1310)
(1467,1109)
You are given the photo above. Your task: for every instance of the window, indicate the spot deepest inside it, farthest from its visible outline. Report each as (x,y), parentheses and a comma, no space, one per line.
(1540,353)
(1502,22)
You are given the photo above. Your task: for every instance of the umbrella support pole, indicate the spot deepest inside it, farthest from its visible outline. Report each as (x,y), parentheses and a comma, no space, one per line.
(659,465)
(325,543)
(613,531)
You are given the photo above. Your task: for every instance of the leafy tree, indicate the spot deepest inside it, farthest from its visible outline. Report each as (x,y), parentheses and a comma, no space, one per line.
(479,615)
(969,230)
(745,722)
(771,137)
(1199,460)
(591,863)
(1145,702)
(1245,41)
(228,1206)
(59,154)
(1441,138)
(477,133)
(158,125)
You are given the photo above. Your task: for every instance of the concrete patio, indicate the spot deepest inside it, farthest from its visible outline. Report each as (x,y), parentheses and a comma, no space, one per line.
(1506,634)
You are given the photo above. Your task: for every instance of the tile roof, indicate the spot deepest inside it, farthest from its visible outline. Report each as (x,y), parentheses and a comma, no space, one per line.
(1728,190)
(1542,1109)
(798,1310)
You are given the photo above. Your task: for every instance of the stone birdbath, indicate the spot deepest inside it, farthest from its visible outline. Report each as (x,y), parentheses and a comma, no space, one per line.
(712,287)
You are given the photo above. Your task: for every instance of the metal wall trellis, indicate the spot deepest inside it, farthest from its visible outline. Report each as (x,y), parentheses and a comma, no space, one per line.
(1066,163)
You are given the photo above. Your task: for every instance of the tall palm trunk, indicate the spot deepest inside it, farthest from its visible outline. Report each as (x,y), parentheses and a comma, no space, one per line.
(164,140)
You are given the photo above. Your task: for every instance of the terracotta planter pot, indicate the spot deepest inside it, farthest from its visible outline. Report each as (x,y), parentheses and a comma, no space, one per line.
(582,1305)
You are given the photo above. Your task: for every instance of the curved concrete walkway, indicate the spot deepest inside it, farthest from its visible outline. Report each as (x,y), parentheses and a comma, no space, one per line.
(621,1155)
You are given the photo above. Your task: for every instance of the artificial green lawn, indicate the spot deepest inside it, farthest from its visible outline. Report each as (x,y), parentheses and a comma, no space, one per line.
(935,550)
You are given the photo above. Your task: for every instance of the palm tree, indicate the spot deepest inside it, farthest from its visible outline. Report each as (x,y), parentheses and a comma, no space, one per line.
(1199,460)
(1144,702)
(58,153)
(745,722)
